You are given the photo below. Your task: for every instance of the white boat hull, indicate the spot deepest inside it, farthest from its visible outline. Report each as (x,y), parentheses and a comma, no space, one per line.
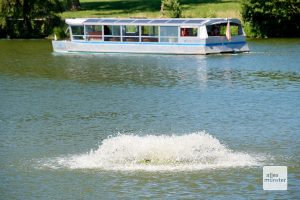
(208,46)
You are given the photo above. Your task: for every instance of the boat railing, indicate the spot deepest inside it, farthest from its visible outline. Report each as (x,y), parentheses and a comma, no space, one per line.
(169,39)
(112,38)
(96,35)
(149,39)
(78,37)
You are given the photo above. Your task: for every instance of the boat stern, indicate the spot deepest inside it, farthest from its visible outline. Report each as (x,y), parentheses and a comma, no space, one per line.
(59,46)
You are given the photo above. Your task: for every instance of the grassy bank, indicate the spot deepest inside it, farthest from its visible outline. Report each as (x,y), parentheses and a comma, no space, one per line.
(151,8)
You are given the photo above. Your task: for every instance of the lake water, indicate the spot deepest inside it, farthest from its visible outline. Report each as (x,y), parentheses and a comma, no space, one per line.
(107,126)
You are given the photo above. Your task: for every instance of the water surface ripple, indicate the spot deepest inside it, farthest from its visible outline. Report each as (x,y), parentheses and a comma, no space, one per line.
(107,126)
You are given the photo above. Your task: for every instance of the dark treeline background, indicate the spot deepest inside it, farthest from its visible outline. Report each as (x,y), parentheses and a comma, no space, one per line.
(38,18)
(272,18)
(32,18)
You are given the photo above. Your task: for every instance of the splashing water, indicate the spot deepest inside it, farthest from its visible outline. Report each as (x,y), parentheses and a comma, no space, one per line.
(193,151)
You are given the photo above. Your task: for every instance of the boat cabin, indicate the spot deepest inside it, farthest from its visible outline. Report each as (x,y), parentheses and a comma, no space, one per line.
(151,30)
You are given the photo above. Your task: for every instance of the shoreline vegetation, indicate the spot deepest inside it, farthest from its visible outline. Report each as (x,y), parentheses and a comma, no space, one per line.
(151,9)
(269,18)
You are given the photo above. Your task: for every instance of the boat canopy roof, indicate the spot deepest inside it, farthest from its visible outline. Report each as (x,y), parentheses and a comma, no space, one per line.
(149,22)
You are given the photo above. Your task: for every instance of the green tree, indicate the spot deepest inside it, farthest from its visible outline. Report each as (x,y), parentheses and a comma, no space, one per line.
(171,8)
(29,18)
(272,18)
(72,4)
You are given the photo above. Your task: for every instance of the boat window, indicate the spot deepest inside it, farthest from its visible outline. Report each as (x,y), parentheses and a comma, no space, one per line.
(130,33)
(169,34)
(112,33)
(188,32)
(236,29)
(93,32)
(130,30)
(149,30)
(213,30)
(149,33)
(77,32)
(220,29)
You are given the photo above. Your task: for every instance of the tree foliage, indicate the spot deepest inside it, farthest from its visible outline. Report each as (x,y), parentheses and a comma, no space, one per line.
(171,8)
(29,18)
(272,18)
(72,4)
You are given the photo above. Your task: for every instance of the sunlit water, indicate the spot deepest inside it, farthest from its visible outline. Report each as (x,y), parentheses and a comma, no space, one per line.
(106,126)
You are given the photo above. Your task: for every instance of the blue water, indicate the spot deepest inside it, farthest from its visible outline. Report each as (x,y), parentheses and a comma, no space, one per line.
(83,126)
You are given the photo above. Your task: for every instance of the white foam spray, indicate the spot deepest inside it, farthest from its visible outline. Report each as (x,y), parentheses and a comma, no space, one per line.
(193,151)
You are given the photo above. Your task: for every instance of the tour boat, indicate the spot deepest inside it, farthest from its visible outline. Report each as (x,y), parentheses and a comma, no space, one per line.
(155,36)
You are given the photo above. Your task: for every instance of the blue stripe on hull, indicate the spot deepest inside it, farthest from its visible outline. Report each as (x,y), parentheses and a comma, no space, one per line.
(163,44)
